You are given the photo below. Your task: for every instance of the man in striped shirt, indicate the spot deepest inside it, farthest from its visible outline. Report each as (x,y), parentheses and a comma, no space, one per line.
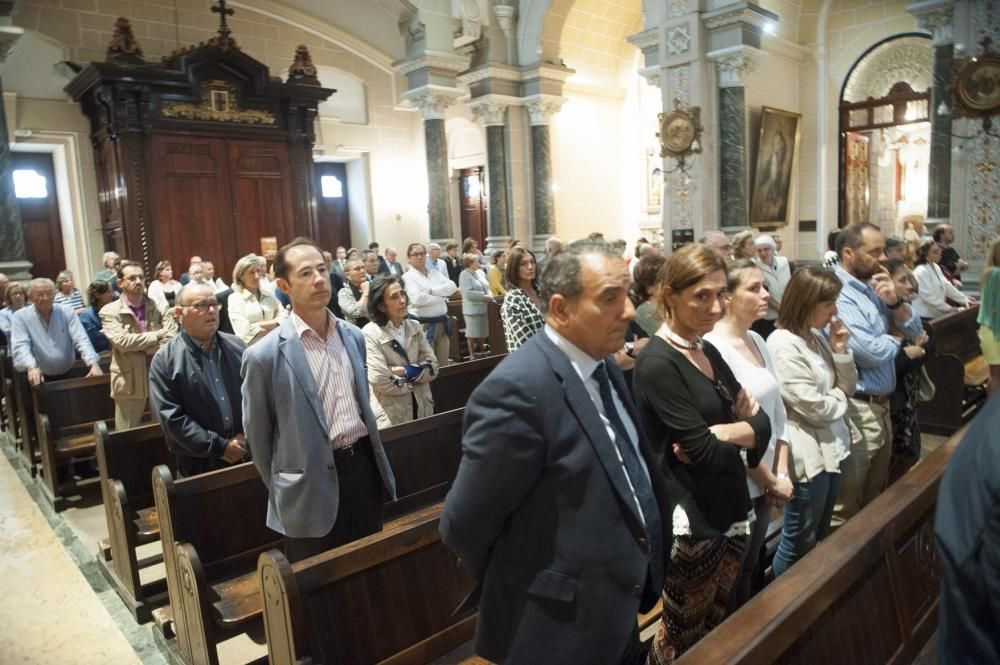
(307,418)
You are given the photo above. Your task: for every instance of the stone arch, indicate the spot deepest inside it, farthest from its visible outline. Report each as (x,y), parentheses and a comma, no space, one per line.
(540,27)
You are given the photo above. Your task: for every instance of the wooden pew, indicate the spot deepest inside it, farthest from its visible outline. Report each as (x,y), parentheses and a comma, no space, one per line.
(388,598)
(66,412)
(955,343)
(126,461)
(9,396)
(498,341)
(453,384)
(213,529)
(867,594)
(219,595)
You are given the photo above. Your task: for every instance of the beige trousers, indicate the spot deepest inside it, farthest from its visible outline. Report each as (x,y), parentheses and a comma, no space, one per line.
(128,413)
(442,343)
(863,475)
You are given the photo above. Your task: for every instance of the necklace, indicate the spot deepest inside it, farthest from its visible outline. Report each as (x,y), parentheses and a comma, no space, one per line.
(677,340)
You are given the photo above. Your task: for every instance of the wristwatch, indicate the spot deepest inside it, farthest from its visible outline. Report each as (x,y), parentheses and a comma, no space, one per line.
(783,476)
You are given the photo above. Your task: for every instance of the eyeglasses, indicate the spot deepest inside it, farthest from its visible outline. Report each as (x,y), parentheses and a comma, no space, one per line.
(204,306)
(727,399)
(418,254)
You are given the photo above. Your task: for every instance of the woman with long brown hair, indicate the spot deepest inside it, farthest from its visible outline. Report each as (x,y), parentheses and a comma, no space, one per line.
(702,424)
(521,312)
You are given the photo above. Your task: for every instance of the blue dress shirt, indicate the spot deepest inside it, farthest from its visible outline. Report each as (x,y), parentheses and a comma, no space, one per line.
(867,318)
(49,347)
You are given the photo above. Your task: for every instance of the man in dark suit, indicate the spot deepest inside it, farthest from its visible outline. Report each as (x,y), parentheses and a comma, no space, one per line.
(307,417)
(339,263)
(390,261)
(558,508)
(967,530)
(383,265)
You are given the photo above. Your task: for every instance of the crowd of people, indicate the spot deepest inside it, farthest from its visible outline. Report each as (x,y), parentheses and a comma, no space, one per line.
(653,416)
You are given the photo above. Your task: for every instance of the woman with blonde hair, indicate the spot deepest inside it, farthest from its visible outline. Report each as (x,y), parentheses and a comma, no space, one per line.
(67,294)
(164,288)
(744,246)
(746,354)
(14,296)
(475,294)
(989,314)
(817,375)
(253,311)
(705,428)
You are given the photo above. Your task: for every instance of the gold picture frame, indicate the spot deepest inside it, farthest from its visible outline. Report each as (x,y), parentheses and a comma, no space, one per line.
(777,150)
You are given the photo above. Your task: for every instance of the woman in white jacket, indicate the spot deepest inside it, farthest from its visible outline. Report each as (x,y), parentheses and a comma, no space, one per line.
(933,288)
(817,376)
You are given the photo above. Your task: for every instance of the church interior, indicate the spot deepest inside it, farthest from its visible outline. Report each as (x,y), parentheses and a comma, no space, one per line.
(164,129)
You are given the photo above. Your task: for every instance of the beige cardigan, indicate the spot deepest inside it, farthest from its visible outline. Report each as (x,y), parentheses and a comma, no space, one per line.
(811,412)
(392,403)
(130,346)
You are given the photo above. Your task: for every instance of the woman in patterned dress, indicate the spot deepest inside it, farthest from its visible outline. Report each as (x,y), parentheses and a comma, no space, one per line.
(521,312)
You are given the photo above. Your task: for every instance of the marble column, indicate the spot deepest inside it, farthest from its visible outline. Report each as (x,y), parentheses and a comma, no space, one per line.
(432,105)
(733,64)
(541,112)
(13,258)
(937,16)
(498,234)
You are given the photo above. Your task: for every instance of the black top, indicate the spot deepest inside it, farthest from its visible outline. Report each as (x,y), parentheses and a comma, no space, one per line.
(677,404)
(949,260)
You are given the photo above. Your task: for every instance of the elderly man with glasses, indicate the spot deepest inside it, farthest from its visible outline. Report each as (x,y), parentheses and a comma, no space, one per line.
(195,383)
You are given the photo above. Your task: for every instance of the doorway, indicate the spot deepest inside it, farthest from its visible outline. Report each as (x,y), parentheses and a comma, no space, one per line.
(474,204)
(35,189)
(332,205)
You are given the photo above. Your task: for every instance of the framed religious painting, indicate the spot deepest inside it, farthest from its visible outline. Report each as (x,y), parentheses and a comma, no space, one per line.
(856,170)
(770,198)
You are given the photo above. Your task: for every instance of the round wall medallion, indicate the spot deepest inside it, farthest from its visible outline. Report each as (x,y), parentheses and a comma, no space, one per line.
(677,133)
(978,85)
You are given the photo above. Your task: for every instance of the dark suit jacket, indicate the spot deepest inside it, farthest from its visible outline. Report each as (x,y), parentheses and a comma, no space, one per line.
(542,515)
(383,265)
(184,406)
(225,325)
(967,530)
(336,284)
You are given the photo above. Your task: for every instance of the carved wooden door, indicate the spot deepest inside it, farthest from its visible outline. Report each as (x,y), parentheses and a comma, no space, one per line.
(35,185)
(332,210)
(262,194)
(472,190)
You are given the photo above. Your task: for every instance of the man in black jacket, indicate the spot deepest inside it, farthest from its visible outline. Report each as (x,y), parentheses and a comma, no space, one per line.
(195,384)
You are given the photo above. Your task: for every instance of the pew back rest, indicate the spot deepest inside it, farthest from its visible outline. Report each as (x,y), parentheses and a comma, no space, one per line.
(424,456)
(73,402)
(955,334)
(868,593)
(369,600)
(129,457)
(454,383)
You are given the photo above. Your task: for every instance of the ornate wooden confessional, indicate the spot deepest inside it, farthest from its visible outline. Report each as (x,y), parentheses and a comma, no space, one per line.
(201,154)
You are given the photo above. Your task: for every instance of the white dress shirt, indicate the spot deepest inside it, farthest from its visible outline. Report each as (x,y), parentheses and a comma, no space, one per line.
(428,294)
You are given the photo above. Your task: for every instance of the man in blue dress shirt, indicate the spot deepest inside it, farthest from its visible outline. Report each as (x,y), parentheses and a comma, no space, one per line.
(44,336)
(878,321)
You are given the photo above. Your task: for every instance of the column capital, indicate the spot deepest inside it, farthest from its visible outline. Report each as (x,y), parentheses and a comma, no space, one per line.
(505,13)
(734,63)
(541,108)
(937,17)
(491,108)
(738,14)
(433,60)
(432,100)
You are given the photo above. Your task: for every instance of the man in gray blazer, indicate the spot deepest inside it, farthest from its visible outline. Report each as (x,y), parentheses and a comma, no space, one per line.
(307,419)
(559,509)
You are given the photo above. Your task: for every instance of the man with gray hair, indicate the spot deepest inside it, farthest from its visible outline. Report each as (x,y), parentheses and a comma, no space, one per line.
(108,273)
(553,245)
(43,337)
(4,282)
(720,244)
(573,464)
(434,259)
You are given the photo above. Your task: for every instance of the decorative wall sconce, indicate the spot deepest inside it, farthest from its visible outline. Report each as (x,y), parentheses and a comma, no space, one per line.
(680,135)
(975,90)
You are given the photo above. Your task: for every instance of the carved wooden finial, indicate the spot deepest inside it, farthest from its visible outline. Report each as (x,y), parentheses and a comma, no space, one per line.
(123,46)
(302,69)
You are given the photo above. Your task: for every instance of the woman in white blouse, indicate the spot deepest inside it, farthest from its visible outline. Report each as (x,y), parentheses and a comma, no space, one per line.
(933,288)
(163,290)
(746,354)
(253,311)
(817,376)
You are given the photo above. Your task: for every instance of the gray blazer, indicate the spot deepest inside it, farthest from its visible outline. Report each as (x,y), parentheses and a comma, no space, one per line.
(286,429)
(474,293)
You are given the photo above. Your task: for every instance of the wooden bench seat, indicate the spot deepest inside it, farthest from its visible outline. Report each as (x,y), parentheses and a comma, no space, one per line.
(954,342)
(125,461)
(235,601)
(866,594)
(65,413)
(453,384)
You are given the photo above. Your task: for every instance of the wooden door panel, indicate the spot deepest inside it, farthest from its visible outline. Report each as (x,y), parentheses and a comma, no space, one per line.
(192,200)
(43,242)
(472,190)
(262,193)
(332,212)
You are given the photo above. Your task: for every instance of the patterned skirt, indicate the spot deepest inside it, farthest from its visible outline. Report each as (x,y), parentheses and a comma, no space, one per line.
(696,592)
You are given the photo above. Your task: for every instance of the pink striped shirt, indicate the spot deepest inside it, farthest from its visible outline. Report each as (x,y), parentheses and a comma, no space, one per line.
(331,367)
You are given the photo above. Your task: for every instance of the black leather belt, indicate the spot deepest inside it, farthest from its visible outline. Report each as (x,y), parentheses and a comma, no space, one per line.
(349,451)
(872,399)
